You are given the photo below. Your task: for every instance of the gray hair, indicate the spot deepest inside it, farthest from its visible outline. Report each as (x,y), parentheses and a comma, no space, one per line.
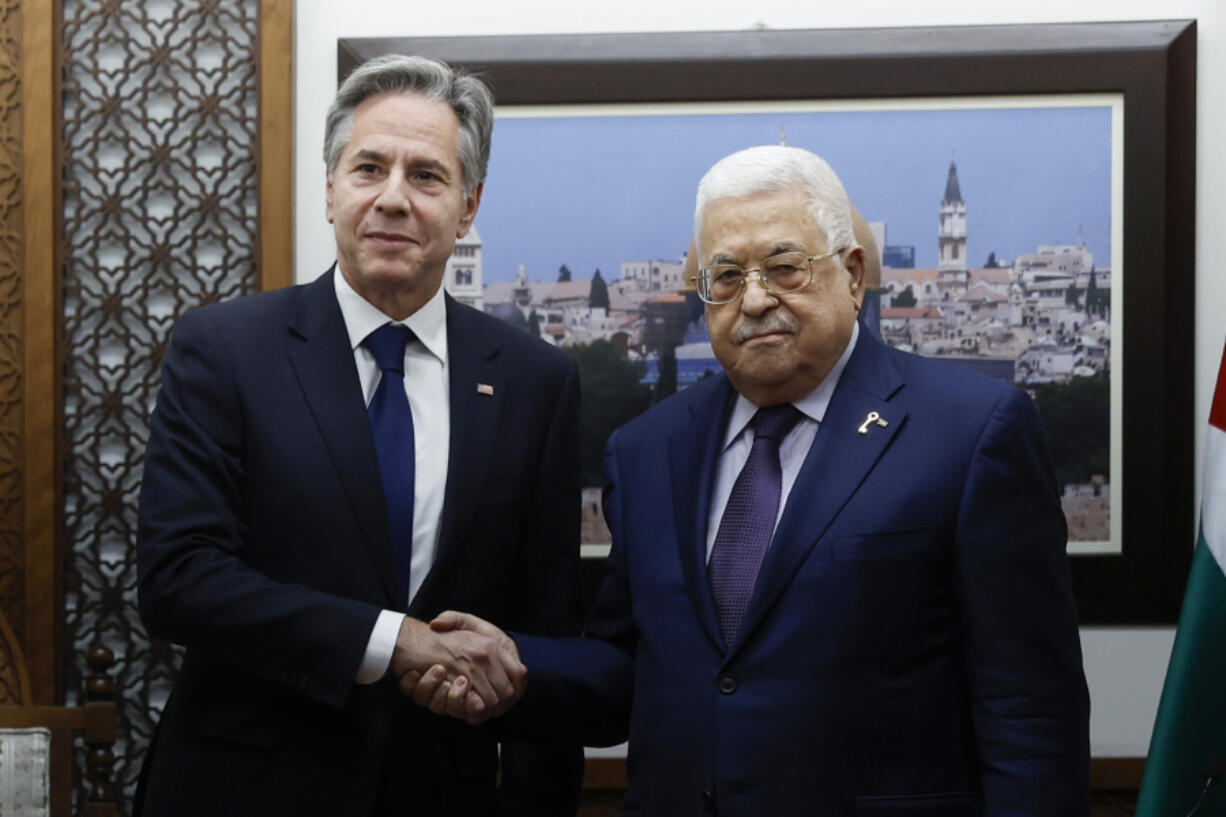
(772,168)
(394,74)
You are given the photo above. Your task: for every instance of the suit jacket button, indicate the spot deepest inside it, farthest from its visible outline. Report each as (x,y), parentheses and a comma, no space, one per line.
(726,684)
(708,800)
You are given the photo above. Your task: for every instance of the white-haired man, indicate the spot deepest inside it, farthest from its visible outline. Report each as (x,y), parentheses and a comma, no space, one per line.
(838,582)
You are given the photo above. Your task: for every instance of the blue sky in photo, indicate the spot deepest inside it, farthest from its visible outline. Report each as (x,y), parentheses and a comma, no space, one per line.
(594,191)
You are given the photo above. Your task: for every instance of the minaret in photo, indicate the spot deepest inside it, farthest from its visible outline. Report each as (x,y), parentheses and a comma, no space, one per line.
(951,239)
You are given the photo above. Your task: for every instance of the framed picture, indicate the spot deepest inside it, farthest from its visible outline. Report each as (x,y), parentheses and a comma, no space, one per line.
(1085,131)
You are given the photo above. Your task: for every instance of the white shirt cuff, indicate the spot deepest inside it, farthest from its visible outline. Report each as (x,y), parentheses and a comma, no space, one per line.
(380,647)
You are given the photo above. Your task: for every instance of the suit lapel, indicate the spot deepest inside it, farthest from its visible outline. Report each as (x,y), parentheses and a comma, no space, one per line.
(835,466)
(328,377)
(694,450)
(472,355)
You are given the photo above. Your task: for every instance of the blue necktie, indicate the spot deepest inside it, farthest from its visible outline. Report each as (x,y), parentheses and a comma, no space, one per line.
(392,423)
(748,522)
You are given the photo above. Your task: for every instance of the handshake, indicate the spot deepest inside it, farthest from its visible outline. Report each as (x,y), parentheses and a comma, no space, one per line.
(458,665)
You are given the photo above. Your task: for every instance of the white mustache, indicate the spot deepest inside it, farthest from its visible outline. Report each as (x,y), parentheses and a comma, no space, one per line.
(772,322)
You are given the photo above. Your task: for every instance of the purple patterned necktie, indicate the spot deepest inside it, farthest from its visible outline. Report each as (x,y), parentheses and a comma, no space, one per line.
(391,420)
(748,522)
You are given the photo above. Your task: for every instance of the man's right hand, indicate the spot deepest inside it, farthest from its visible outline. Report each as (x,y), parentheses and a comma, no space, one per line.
(460,664)
(444,692)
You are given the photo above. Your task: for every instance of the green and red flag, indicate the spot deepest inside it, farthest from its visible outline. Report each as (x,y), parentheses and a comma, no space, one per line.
(1189,737)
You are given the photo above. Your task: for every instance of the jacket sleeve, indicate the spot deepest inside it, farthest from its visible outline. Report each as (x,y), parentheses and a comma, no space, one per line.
(582,688)
(1030,705)
(543,778)
(197,586)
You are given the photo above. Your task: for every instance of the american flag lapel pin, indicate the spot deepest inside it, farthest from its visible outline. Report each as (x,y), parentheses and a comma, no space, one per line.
(486,389)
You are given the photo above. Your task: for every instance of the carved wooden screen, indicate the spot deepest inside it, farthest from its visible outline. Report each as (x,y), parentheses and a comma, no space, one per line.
(144,169)
(161,203)
(160,195)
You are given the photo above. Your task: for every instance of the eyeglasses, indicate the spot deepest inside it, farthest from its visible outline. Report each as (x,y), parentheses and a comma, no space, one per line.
(779,275)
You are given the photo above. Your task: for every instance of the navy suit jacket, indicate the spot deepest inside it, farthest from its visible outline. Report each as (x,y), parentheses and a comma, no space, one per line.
(263,548)
(911,646)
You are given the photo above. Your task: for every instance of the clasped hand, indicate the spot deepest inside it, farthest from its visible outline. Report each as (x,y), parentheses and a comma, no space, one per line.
(459,665)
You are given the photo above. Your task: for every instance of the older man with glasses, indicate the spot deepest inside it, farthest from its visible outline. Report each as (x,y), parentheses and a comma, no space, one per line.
(838,582)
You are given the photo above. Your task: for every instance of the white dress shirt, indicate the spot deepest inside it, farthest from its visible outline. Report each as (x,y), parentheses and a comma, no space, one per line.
(738,442)
(426,384)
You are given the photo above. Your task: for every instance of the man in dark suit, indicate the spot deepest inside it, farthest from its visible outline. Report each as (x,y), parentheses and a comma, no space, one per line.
(310,497)
(838,582)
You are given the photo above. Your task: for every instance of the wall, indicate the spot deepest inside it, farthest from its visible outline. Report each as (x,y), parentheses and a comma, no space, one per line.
(1125,666)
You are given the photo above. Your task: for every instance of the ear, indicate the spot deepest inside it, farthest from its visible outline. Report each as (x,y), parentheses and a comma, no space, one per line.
(854,263)
(470,211)
(328,196)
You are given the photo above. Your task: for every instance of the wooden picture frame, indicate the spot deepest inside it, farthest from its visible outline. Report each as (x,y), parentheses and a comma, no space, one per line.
(1151,64)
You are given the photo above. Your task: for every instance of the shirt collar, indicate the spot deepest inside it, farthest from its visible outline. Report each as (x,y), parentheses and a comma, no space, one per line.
(813,405)
(429,323)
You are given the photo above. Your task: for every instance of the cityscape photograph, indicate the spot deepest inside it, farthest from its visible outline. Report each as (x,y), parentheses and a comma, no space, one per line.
(993,225)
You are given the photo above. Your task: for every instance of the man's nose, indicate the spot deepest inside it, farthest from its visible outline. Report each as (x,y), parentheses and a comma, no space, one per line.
(393,198)
(756,298)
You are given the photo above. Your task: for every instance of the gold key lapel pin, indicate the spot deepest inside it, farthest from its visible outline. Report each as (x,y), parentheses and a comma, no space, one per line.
(872,419)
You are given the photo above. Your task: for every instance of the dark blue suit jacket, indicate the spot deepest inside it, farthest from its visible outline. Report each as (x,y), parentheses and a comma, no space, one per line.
(263,547)
(911,646)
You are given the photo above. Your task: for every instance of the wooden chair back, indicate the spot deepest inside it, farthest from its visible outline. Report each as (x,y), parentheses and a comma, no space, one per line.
(95,721)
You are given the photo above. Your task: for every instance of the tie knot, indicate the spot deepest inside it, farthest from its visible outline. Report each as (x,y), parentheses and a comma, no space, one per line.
(775,422)
(387,345)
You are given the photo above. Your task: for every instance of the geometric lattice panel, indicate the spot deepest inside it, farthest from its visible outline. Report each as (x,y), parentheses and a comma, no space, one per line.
(160,206)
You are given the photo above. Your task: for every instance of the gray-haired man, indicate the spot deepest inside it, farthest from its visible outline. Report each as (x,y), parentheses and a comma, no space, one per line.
(322,476)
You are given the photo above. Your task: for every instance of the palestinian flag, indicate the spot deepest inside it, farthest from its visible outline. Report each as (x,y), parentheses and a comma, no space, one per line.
(1190,732)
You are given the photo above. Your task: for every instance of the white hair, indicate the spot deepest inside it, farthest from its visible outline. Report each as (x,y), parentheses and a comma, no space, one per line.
(772,168)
